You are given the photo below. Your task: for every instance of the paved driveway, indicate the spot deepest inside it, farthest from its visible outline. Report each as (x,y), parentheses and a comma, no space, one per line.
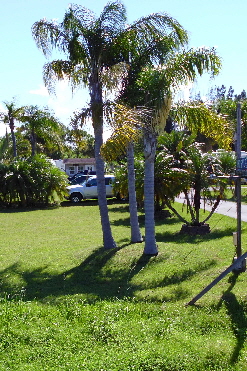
(225,208)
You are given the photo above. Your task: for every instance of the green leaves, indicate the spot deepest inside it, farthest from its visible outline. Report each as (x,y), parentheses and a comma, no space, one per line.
(199,118)
(31,182)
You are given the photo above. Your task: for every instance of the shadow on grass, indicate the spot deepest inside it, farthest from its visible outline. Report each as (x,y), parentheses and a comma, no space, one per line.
(12,210)
(237,314)
(179,238)
(94,279)
(94,202)
(126,221)
(176,293)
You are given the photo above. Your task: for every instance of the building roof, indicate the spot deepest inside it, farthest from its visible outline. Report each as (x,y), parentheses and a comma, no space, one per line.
(80,161)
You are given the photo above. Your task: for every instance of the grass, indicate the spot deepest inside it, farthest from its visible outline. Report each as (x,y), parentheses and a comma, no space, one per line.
(230,196)
(67,304)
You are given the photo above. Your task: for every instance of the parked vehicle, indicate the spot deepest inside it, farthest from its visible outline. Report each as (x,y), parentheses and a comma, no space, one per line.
(79,179)
(88,189)
(84,173)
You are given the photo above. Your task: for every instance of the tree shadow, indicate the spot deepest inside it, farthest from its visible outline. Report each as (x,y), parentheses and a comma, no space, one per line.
(236,312)
(93,278)
(93,202)
(179,238)
(12,210)
(86,278)
(141,219)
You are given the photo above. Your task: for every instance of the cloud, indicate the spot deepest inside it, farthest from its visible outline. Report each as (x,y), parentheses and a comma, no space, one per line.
(64,103)
(42,90)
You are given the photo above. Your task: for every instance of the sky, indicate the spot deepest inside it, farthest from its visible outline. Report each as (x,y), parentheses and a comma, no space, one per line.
(212,23)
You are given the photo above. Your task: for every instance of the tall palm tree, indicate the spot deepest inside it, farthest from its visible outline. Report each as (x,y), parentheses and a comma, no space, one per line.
(13,114)
(126,124)
(92,46)
(88,43)
(153,86)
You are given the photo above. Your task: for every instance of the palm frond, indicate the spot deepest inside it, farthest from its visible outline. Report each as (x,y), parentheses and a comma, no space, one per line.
(48,35)
(186,65)
(157,26)
(79,17)
(197,117)
(58,70)
(112,19)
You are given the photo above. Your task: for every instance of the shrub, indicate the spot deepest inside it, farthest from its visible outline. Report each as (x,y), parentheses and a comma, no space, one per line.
(31,182)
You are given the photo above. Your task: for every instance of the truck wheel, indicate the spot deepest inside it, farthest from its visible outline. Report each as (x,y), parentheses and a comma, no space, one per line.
(75,197)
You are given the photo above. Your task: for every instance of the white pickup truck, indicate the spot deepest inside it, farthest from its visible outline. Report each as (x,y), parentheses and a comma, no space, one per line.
(88,189)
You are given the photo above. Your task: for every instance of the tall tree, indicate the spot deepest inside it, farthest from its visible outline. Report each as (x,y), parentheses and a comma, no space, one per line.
(93,46)
(151,49)
(89,44)
(9,117)
(126,123)
(39,125)
(153,87)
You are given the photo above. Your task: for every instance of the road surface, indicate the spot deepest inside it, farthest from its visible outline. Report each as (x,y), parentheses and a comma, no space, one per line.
(227,208)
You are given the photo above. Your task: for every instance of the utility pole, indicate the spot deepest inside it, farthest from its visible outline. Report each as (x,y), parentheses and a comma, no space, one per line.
(238,180)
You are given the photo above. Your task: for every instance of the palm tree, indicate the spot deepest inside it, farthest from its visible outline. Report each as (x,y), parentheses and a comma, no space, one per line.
(89,45)
(13,114)
(93,46)
(153,87)
(126,124)
(40,124)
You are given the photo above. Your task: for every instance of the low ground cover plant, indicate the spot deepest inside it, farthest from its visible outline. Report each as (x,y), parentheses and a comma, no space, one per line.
(67,304)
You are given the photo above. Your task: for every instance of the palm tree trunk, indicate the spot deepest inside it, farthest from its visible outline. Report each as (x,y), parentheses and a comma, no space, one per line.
(189,206)
(33,142)
(134,224)
(149,151)
(11,126)
(197,202)
(97,117)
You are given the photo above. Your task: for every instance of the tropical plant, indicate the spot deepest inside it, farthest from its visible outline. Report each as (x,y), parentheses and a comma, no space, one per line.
(31,182)
(145,85)
(93,46)
(153,88)
(40,126)
(9,117)
(201,118)
(183,167)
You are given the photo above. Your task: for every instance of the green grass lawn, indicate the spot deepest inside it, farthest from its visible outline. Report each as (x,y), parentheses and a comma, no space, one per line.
(230,196)
(66,304)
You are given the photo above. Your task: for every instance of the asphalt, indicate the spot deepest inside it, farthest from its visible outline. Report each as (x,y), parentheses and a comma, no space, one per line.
(227,208)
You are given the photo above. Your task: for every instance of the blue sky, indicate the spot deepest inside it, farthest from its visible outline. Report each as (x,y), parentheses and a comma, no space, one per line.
(213,23)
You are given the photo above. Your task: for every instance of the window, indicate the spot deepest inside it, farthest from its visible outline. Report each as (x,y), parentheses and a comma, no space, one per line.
(71,170)
(109,181)
(93,182)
